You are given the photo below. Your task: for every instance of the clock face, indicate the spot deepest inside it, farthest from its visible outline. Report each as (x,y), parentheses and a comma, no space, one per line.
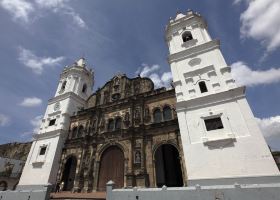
(56,106)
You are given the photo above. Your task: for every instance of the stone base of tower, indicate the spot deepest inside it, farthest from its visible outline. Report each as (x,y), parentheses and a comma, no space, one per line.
(236,151)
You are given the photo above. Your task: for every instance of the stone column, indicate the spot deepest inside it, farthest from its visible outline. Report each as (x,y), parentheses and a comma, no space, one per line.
(149,162)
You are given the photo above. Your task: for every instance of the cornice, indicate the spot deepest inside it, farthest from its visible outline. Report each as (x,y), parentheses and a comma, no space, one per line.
(226,96)
(50,134)
(188,20)
(193,51)
(66,96)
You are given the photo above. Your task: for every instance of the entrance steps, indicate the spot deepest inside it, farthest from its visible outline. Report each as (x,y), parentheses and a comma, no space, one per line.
(78,196)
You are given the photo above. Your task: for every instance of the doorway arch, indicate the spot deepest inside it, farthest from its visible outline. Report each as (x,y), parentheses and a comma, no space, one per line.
(111,168)
(168,167)
(3,185)
(69,173)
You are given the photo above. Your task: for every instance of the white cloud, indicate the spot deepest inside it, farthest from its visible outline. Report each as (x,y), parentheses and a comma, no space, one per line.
(4,120)
(153,72)
(19,9)
(35,123)
(246,76)
(239,1)
(31,102)
(35,63)
(61,6)
(22,9)
(147,70)
(260,21)
(270,126)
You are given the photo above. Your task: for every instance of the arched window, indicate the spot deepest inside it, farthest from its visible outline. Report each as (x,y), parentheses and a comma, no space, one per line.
(84,90)
(80,131)
(63,86)
(110,125)
(186,36)
(118,123)
(202,87)
(157,115)
(74,132)
(167,113)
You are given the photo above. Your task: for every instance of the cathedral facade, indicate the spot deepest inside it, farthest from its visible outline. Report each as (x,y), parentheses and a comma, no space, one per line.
(127,132)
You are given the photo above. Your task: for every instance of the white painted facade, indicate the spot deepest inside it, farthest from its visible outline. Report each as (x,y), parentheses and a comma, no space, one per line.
(238,149)
(75,86)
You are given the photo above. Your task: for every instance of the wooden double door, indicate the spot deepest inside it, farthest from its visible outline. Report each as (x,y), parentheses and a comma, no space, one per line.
(111,168)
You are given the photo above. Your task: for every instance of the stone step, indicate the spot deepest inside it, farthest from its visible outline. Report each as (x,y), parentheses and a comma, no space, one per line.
(78,196)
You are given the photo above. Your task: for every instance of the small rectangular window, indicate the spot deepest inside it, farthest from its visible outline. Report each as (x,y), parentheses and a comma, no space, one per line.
(52,122)
(43,150)
(213,124)
(202,87)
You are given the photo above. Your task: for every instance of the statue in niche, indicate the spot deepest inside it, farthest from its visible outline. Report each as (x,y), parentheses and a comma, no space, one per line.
(117,81)
(136,87)
(147,114)
(137,157)
(102,124)
(137,115)
(116,88)
(92,127)
(105,97)
(127,89)
(138,144)
(127,119)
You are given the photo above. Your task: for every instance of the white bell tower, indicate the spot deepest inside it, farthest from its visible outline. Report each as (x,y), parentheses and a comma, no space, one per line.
(75,86)
(222,142)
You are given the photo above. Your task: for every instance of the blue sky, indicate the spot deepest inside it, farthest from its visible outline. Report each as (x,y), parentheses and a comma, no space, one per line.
(38,38)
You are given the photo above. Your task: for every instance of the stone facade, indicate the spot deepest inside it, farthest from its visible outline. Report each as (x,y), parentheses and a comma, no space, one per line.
(130,115)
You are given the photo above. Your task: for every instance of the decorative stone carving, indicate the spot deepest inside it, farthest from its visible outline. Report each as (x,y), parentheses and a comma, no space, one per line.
(137,115)
(127,89)
(147,116)
(102,124)
(117,81)
(136,87)
(194,61)
(105,97)
(137,157)
(127,119)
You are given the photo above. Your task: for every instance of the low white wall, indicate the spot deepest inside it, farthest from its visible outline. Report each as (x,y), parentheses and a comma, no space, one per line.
(25,195)
(217,192)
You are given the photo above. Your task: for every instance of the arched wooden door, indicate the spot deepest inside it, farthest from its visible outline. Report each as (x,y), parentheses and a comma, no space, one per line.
(168,167)
(111,168)
(69,173)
